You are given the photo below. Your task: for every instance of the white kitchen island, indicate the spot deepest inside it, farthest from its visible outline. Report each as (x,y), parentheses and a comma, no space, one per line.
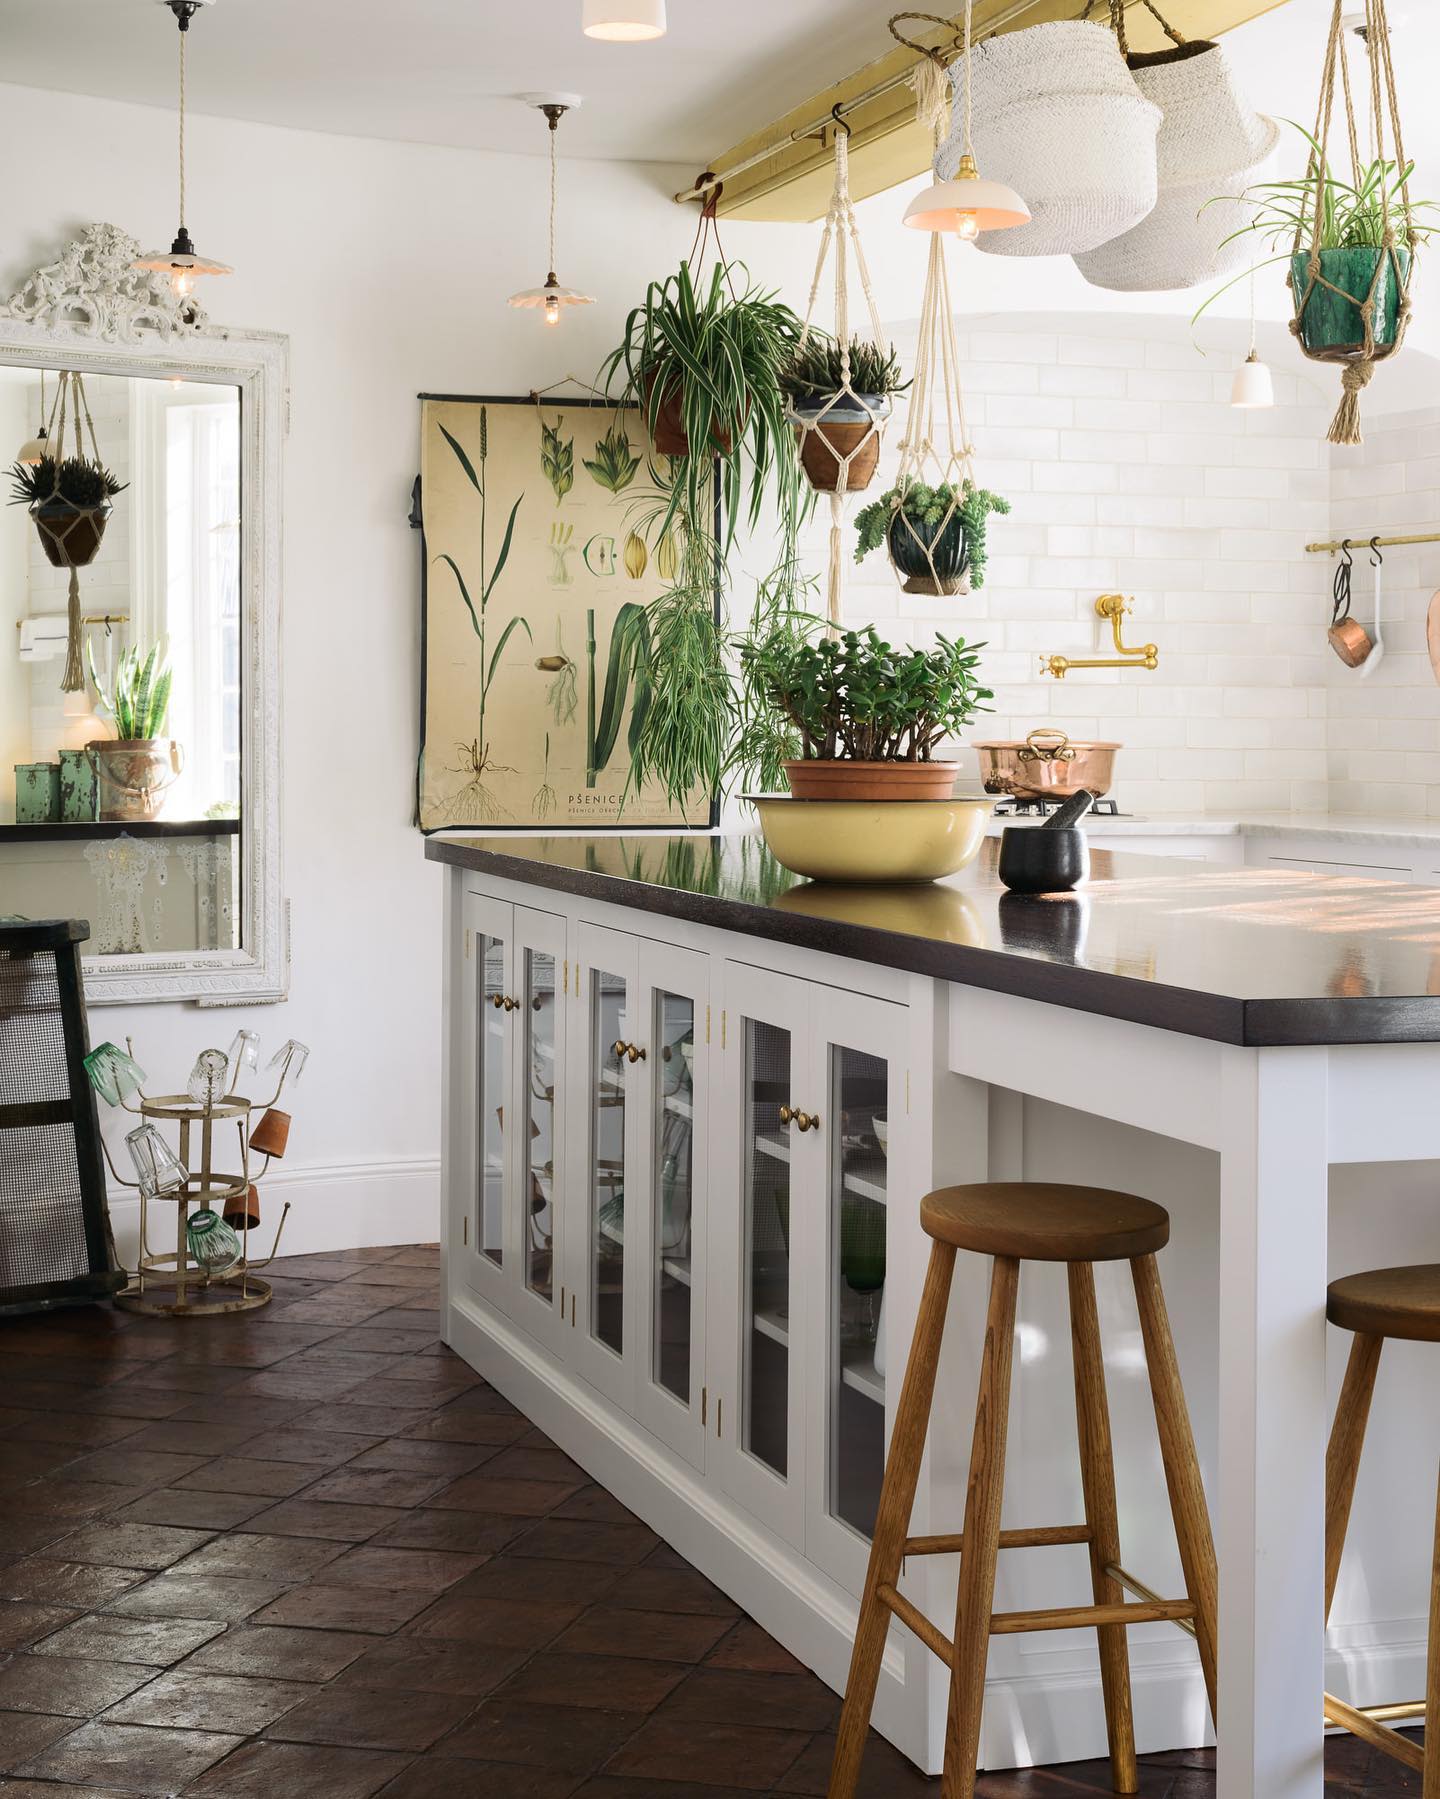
(708,1306)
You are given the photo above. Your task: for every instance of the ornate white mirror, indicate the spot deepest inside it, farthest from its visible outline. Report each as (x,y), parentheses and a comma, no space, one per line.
(140,793)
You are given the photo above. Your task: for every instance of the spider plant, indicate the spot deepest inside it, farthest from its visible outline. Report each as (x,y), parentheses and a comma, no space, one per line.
(1352,214)
(709,355)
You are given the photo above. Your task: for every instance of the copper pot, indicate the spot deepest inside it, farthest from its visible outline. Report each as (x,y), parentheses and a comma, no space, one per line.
(1350,641)
(1046,766)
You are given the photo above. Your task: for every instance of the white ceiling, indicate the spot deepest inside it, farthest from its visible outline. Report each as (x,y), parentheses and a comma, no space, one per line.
(444,71)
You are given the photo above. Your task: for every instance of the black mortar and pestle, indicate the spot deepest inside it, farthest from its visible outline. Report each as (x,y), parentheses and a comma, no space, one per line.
(1048,858)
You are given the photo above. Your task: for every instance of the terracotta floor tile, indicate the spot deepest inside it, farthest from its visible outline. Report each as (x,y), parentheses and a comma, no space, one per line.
(435,1778)
(376,1609)
(370,1718)
(138,1758)
(133,1545)
(61,1427)
(21,1462)
(395,1274)
(443,1368)
(751,1757)
(747,1646)
(24,1621)
(574,1540)
(130,1467)
(786,1701)
(340,1304)
(609,1683)
(238,1474)
(193,1507)
(275,1653)
(192,1438)
(327,1519)
(417,1456)
(379,1337)
(483,1493)
(449,1426)
(374,1420)
(30,1683)
(379,1486)
(632,1786)
(23,1734)
(81,1584)
(425,1571)
(218,1702)
(322,1449)
(434,1665)
(497,1623)
(532,1736)
(469,1533)
(230,1598)
(246,1552)
(536,1582)
(654,1636)
(259,1414)
(22,1534)
(59,1497)
(300,1771)
(521,1462)
(596,1504)
(315,1268)
(654,1589)
(156,1641)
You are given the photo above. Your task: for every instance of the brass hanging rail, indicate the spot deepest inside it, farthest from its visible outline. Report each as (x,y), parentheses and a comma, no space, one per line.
(1364,543)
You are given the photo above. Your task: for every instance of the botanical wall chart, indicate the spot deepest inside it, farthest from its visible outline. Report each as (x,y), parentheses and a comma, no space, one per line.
(537,578)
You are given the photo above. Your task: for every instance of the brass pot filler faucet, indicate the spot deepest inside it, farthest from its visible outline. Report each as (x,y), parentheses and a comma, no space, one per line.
(1113,606)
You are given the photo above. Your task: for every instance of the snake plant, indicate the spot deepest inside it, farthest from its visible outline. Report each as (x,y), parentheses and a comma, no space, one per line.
(139,699)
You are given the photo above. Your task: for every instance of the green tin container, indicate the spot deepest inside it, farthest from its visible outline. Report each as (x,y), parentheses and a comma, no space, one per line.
(1331,323)
(79,790)
(37,793)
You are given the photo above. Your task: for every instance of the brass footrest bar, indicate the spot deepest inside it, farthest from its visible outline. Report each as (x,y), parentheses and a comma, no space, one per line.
(934,1640)
(1141,1591)
(1088,1617)
(1044,1536)
(1370,1730)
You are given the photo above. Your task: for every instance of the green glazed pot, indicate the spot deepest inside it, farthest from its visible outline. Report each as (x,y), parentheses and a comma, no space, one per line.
(948,547)
(1332,323)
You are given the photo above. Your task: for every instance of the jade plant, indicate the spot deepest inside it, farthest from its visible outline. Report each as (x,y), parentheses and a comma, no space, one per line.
(138,700)
(946,528)
(857,698)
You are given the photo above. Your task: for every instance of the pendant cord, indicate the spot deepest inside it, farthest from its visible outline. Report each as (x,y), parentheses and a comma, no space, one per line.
(969,11)
(554,125)
(183,35)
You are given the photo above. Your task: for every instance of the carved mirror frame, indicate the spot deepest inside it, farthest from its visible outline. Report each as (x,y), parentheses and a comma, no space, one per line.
(91,310)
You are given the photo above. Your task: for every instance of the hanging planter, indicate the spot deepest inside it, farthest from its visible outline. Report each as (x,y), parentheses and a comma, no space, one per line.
(1057,114)
(1210,143)
(69,501)
(935,535)
(1332,323)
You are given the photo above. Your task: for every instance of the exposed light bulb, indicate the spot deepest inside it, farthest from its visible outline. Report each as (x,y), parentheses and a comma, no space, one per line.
(967,226)
(182,282)
(552,311)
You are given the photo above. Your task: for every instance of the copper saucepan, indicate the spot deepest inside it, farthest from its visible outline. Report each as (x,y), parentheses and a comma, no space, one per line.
(1046,766)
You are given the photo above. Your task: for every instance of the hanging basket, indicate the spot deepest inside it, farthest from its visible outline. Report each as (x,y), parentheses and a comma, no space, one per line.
(934,559)
(1209,146)
(839,442)
(1331,322)
(69,535)
(1057,115)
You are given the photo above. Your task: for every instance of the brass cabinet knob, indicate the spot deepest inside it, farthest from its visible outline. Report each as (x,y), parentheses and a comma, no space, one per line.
(634,1052)
(497,1000)
(786,1114)
(511,1005)
(618,1048)
(807,1121)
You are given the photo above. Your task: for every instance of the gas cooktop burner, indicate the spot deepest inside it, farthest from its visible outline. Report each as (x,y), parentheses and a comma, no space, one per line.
(1012,808)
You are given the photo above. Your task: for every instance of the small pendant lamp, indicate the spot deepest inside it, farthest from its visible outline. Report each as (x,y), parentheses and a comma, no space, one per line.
(623,21)
(180,262)
(1252,389)
(551,297)
(968,204)
(33,453)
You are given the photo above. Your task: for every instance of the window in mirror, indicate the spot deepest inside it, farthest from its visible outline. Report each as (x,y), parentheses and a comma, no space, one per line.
(143,842)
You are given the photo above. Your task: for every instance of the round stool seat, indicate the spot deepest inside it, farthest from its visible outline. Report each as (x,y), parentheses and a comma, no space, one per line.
(1045,1221)
(1389,1302)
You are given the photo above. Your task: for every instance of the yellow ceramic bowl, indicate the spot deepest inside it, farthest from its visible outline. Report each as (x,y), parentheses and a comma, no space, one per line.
(869,841)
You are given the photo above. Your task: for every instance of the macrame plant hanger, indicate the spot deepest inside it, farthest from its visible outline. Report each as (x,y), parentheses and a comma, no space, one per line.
(70,533)
(844,408)
(1359,360)
(937,438)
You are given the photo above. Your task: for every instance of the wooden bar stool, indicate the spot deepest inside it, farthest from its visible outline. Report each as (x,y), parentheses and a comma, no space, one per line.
(1386,1302)
(1014,1222)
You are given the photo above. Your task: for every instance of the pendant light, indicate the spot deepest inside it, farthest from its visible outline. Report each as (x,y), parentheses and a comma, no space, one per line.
(967,204)
(551,297)
(180,262)
(33,453)
(1252,388)
(623,21)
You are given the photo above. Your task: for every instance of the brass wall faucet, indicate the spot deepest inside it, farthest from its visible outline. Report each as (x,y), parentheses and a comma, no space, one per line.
(1113,606)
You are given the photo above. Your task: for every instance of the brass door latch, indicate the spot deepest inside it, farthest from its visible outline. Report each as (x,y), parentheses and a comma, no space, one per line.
(1115,607)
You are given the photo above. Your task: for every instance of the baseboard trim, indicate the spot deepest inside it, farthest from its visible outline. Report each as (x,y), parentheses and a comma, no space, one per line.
(333,1205)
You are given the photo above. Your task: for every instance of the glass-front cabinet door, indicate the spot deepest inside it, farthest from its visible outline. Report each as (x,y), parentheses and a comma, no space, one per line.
(488,965)
(538,1045)
(762,1247)
(859,1057)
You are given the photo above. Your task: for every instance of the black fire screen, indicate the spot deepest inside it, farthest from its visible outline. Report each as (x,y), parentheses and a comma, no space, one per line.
(54,1228)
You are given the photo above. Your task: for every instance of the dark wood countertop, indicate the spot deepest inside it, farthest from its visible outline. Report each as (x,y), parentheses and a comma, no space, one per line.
(1255,956)
(96,830)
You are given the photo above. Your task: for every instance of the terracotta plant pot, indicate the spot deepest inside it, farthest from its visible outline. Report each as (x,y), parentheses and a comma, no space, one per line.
(945,570)
(1330,325)
(271,1134)
(670,437)
(132,775)
(825,446)
(69,538)
(817,779)
(243,1212)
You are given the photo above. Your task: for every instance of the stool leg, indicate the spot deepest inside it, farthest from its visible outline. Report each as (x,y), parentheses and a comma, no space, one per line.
(1431,1786)
(1097,1480)
(1182,1466)
(975,1600)
(892,1521)
(1342,1457)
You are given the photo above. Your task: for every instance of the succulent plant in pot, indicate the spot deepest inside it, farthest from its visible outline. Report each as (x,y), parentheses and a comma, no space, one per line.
(935,535)
(69,501)
(137,765)
(839,399)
